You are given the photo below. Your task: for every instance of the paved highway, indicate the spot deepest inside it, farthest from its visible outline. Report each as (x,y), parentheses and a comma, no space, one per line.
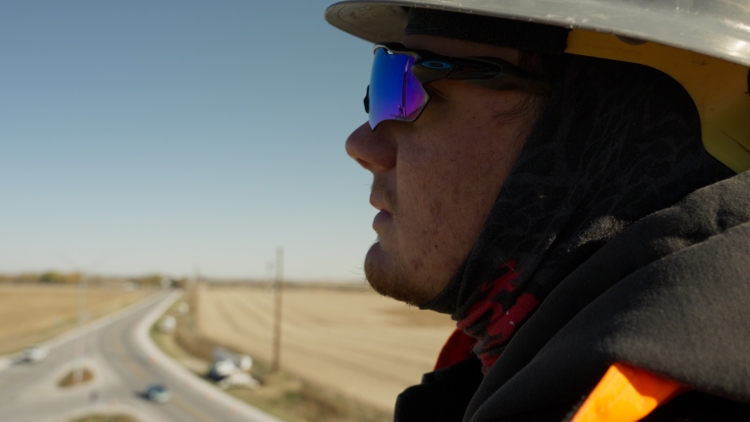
(125,362)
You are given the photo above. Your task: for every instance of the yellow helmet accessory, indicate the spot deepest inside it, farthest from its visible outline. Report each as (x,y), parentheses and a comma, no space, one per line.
(718,88)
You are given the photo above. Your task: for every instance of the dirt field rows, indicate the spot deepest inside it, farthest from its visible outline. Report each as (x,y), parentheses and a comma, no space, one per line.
(33,313)
(357,342)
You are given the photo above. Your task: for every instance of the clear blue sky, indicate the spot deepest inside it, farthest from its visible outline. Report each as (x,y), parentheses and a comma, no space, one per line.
(165,136)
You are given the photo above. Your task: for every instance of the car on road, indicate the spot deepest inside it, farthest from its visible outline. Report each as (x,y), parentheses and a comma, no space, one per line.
(158,393)
(34,354)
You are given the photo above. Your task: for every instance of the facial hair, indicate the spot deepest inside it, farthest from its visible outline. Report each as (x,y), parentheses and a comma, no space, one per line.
(392,280)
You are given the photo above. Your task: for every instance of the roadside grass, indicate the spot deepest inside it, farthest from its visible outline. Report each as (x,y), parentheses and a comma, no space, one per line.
(281,394)
(118,417)
(70,380)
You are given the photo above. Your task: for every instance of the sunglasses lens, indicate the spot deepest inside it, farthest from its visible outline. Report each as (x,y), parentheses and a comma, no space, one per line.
(394,93)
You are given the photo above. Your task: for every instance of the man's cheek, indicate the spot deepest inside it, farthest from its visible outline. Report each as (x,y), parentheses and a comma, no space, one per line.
(436,212)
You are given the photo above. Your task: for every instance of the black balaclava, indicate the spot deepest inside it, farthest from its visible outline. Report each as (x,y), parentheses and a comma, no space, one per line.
(615,142)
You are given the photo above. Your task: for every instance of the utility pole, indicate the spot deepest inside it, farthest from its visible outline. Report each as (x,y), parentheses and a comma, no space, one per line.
(277,288)
(81,348)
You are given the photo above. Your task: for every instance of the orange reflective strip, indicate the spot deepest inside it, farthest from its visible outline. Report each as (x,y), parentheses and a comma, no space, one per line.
(626,394)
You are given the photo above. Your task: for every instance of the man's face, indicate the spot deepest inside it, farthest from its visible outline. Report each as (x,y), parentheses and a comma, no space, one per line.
(436,179)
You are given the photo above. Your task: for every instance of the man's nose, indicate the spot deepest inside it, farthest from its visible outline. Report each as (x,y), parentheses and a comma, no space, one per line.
(371,149)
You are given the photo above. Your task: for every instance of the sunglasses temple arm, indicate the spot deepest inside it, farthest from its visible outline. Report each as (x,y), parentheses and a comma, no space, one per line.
(367,100)
(505,82)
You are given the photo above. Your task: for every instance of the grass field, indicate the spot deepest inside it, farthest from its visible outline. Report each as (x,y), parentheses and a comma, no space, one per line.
(356,342)
(34,313)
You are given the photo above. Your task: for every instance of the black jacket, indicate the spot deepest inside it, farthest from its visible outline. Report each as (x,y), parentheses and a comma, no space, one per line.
(670,294)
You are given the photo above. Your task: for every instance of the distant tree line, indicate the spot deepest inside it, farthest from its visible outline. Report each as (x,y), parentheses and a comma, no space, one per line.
(55,277)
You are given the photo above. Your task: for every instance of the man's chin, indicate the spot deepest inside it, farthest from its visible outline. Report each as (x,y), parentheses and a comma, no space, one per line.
(389,277)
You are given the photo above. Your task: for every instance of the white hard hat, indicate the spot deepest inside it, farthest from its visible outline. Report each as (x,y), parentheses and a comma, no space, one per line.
(703,44)
(715,28)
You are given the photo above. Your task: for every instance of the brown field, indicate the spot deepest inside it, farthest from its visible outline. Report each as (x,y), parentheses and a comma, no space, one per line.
(356,342)
(34,313)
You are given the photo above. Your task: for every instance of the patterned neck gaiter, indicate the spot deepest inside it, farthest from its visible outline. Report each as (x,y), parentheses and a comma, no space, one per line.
(615,142)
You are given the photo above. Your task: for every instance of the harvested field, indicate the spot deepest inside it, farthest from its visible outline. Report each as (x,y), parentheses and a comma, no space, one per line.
(34,313)
(356,342)
(106,418)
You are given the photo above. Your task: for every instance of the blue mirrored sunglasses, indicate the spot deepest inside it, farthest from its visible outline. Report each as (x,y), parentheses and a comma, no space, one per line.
(396,90)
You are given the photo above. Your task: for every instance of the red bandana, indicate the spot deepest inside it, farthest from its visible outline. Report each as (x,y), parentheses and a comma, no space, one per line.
(492,325)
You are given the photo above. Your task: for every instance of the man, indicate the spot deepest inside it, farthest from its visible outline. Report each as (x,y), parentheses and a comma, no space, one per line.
(562,209)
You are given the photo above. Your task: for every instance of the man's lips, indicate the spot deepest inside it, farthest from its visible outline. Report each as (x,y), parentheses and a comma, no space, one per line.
(383,217)
(383,198)
(377,202)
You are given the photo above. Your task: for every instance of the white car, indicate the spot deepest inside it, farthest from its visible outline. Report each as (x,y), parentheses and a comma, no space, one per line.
(34,354)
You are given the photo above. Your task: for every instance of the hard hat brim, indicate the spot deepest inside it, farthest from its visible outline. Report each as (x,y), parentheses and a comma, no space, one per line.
(716,29)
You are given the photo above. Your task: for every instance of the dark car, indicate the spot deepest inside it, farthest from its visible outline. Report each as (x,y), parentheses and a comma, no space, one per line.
(158,393)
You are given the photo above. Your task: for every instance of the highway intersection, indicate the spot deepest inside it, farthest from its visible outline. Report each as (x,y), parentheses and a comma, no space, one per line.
(125,362)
